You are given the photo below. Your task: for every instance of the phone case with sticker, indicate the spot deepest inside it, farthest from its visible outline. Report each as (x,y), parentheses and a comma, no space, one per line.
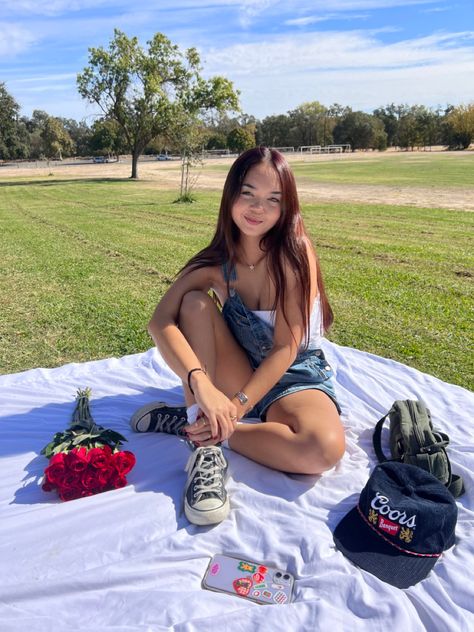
(250,580)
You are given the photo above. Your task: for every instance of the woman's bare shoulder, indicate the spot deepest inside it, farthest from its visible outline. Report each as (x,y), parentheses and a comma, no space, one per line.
(203,274)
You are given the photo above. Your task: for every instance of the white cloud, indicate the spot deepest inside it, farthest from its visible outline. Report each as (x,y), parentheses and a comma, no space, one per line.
(313,19)
(248,9)
(352,68)
(44,78)
(359,89)
(48,7)
(310,19)
(14,39)
(336,50)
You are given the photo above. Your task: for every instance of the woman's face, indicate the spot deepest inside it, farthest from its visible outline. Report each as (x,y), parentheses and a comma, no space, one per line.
(258,205)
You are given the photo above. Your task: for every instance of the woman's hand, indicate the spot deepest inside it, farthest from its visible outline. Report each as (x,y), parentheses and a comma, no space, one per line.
(218,418)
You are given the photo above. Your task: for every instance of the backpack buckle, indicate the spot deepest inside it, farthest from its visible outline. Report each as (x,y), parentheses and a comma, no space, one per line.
(433,448)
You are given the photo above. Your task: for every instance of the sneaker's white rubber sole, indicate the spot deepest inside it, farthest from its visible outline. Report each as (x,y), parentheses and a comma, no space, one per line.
(204,518)
(140,421)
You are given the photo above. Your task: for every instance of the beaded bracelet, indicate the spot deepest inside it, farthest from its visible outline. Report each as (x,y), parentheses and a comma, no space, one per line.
(189,377)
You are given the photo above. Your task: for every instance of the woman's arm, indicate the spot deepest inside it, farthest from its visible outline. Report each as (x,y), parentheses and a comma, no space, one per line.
(179,355)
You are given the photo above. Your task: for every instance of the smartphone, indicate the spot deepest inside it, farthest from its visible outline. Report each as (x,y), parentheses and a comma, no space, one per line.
(251,580)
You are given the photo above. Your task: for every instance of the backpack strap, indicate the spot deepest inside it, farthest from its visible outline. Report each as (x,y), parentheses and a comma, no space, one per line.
(457,486)
(377,440)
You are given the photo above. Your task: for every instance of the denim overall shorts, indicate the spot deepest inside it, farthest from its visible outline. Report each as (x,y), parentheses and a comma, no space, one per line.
(310,369)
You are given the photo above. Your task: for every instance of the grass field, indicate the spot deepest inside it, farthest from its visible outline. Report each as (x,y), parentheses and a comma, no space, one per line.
(402,169)
(85,261)
(406,169)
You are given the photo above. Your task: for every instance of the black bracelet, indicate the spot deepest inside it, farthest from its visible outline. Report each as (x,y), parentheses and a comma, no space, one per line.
(189,377)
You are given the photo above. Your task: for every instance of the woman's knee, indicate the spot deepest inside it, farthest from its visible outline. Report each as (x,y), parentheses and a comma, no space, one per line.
(193,304)
(321,453)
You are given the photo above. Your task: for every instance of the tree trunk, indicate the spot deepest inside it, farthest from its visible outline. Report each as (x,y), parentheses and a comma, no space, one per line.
(183,166)
(135,157)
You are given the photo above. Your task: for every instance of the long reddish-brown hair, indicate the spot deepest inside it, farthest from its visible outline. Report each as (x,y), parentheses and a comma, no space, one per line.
(286,242)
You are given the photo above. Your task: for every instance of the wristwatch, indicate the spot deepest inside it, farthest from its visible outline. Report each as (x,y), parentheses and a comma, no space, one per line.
(242,397)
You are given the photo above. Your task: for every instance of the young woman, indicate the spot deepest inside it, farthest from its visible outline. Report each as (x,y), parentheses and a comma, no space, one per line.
(253,350)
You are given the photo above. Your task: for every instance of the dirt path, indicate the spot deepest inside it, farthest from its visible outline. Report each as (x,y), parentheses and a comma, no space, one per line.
(166,175)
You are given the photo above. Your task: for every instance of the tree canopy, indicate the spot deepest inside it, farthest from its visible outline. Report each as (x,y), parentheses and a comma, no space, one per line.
(13,134)
(150,92)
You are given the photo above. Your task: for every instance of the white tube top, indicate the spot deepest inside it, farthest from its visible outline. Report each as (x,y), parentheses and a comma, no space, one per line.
(315,322)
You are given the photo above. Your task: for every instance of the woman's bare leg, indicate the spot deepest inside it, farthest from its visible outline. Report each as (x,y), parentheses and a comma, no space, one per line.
(303,432)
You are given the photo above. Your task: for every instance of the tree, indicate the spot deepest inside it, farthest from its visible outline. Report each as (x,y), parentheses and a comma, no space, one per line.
(361,131)
(460,126)
(56,139)
(241,138)
(309,125)
(148,92)
(216,140)
(106,138)
(274,131)
(80,134)
(13,134)
(389,118)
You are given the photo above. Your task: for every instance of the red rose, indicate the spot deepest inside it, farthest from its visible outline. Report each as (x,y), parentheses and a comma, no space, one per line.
(54,472)
(77,459)
(105,475)
(47,486)
(89,479)
(70,494)
(57,458)
(70,480)
(100,457)
(117,481)
(123,462)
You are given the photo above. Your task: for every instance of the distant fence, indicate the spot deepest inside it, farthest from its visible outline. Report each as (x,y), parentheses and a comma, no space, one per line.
(324,149)
(216,153)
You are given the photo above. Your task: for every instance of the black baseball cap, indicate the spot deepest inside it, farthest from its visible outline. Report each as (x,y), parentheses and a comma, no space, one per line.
(404,520)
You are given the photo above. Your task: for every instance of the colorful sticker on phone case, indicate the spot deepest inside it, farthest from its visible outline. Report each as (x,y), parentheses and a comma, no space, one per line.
(215,568)
(247,567)
(258,578)
(278,586)
(280,597)
(261,585)
(242,586)
(263,570)
(267,594)
(256,593)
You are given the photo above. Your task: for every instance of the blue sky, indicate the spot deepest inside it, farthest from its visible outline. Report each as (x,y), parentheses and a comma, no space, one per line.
(279,54)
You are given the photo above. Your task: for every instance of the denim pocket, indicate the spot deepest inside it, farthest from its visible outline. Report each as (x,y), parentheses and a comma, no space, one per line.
(320,366)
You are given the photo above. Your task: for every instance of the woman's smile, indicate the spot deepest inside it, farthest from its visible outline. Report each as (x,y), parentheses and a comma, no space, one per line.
(253,221)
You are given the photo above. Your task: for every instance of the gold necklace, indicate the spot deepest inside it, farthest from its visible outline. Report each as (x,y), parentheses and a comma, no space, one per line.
(252,266)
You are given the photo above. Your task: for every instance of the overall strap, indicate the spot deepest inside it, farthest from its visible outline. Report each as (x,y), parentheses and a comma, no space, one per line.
(229,273)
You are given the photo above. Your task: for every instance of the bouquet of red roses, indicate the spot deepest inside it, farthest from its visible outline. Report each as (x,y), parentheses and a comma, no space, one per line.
(86,458)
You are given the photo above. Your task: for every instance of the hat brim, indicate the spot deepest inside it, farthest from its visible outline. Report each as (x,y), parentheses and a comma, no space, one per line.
(368,550)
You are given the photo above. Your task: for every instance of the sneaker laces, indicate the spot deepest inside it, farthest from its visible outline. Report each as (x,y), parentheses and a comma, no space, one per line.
(209,465)
(172,424)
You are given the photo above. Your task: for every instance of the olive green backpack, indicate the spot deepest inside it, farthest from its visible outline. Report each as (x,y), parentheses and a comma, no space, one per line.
(413,440)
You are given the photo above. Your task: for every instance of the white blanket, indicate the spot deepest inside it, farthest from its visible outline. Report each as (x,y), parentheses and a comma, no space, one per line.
(129,560)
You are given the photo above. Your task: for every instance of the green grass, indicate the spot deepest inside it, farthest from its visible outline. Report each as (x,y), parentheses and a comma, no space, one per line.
(402,169)
(84,262)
